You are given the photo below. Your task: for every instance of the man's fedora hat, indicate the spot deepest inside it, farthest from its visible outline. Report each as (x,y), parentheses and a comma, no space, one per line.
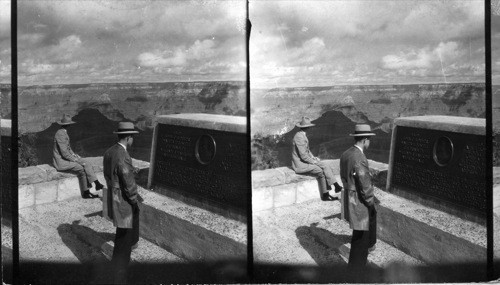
(125,128)
(362,130)
(305,123)
(66,120)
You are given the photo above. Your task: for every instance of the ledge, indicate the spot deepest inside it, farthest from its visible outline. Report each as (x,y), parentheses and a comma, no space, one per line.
(278,187)
(46,173)
(44,184)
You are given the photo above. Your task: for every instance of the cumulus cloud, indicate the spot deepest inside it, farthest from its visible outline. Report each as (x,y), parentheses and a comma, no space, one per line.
(423,58)
(156,59)
(202,49)
(412,59)
(5,19)
(131,40)
(339,42)
(36,68)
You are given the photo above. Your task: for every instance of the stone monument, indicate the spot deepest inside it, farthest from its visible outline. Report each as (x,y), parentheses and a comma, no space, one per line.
(201,159)
(5,168)
(439,161)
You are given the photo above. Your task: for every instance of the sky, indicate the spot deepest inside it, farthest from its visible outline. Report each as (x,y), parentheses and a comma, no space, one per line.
(324,43)
(5,42)
(495,42)
(75,41)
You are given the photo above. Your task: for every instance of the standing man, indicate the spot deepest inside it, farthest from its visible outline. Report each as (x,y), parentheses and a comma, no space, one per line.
(304,162)
(122,199)
(358,201)
(64,159)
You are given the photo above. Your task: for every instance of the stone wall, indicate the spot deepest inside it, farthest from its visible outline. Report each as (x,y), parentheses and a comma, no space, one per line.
(278,187)
(44,184)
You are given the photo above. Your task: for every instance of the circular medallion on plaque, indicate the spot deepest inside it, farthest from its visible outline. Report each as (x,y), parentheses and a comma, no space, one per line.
(443,151)
(205,149)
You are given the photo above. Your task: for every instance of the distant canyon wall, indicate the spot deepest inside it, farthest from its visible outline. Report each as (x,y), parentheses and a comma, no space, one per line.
(40,106)
(336,109)
(5,101)
(96,109)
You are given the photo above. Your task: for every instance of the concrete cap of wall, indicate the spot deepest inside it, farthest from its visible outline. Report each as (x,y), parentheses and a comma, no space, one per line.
(466,125)
(226,123)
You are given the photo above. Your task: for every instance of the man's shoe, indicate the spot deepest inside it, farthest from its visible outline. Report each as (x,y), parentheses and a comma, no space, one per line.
(371,249)
(88,195)
(98,185)
(328,197)
(338,188)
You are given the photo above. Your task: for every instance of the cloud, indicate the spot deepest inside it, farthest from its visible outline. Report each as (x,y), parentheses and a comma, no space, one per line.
(131,40)
(5,8)
(410,60)
(36,68)
(158,59)
(202,49)
(423,58)
(338,42)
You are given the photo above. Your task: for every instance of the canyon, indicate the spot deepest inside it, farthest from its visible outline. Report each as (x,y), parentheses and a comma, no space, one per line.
(96,109)
(336,109)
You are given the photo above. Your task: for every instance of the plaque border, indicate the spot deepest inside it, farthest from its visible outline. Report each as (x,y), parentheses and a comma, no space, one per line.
(434,155)
(197,146)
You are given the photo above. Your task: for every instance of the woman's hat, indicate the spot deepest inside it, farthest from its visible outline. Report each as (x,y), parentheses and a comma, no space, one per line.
(362,130)
(125,128)
(66,120)
(305,123)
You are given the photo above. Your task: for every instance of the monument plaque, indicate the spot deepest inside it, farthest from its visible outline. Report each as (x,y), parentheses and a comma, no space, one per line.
(440,161)
(5,168)
(202,158)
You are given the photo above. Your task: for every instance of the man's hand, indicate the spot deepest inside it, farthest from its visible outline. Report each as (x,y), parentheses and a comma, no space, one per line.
(136,170)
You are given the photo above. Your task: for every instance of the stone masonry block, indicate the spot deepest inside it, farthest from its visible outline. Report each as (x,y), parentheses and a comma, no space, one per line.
(26,196)
(291,177)
(284,195)
(31,175)
(307,190)
(262,199)
(45,192)
(68,188)
(267,178)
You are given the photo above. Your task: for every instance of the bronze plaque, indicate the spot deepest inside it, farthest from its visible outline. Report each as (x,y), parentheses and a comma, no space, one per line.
(446,166)
(203,164)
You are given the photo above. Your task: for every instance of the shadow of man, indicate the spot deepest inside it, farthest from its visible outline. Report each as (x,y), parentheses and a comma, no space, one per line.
(83,242)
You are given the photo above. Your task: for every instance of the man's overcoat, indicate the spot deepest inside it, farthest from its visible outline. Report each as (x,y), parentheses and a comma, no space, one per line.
(122,189)
(358,189)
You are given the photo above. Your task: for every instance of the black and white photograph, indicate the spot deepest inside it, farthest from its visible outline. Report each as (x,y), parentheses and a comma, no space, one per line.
(6,203)
(368,141)
(132,141)
(249,141)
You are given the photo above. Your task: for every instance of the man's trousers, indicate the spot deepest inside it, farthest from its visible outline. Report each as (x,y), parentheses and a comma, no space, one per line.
(323,172)
(124,240)
(361,241)
(85,173)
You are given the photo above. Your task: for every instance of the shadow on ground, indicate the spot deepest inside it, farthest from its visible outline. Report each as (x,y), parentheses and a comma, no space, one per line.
(79,248)
(321,253)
